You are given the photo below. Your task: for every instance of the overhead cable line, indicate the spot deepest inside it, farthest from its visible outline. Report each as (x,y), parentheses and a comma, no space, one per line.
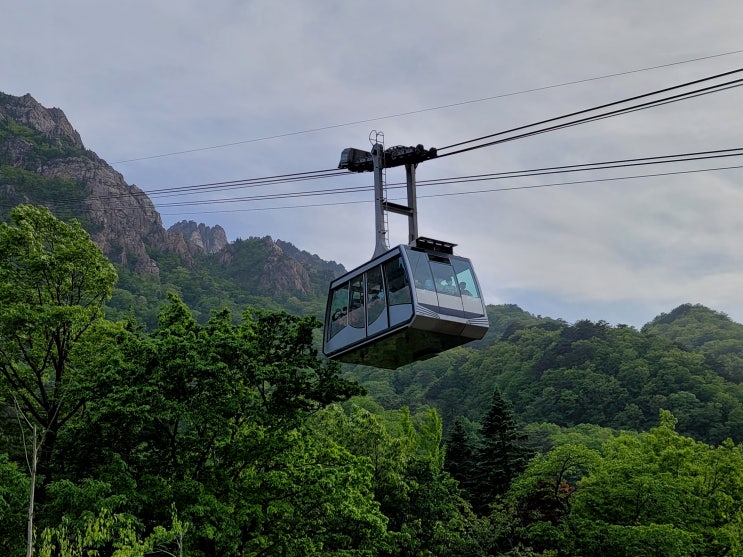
(251,182)
(591,181)
(286,195)
(429,109)
(623,110)
(491,190)
(240,184)
(662,159)
(286,178)
(317,174)
(602,165)
(210,186)
(606,165)
(649,104)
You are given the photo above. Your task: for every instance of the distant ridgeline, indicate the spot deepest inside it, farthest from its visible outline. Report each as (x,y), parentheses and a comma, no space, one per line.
(43,162)
(689,361)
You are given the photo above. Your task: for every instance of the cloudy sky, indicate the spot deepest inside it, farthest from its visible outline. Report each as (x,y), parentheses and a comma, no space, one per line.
(176,94)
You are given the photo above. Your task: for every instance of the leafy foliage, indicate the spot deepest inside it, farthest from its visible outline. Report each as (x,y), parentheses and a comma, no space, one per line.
(216,413)
(14,486)
(209,284)
(424,511)
(711,333)
(53,283)
(584,373)
(226,437)
(19,186)
(661,492)
(189,425)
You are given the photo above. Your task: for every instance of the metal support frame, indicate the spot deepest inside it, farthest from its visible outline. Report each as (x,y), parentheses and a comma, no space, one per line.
(377,160)
(381,205)
(381,244)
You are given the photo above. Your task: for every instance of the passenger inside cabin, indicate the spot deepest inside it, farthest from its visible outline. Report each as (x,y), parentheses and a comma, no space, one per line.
(447,286)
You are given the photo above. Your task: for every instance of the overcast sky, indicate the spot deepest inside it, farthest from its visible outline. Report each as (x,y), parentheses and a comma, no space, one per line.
(247,89)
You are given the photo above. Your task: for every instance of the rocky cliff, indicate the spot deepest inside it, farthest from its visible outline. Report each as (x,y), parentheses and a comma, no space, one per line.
(199,237)
(43,161)
(121,219)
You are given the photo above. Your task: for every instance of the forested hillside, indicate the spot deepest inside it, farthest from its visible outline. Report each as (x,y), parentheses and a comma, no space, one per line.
(43,162)
(182,407)
(252,272)
(688,362)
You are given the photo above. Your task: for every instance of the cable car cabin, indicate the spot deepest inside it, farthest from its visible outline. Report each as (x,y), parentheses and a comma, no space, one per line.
(408,304)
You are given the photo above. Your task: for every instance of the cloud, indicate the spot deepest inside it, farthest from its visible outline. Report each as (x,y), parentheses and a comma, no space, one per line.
(139,80)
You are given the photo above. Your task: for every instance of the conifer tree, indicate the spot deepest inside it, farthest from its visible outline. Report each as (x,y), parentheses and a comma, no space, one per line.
(459,460)
(501,456)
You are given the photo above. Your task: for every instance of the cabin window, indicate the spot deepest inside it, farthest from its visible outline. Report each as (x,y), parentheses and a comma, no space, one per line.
(422,277)
(465,278)
(356,317)
(397,282)
(375,294)
(338,310)
(443,278)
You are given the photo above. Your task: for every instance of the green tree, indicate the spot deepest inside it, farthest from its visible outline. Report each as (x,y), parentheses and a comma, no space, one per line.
(53,283)
(542,496)
(460,457)
(112,534)
(425,513)
(213,419)
(14,486)
(660,493)
(501,456)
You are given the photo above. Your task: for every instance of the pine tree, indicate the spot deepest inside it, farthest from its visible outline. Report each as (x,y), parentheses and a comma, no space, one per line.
(501,456)
(460,457)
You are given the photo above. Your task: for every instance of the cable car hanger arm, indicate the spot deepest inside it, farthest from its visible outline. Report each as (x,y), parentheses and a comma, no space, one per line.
(358,160)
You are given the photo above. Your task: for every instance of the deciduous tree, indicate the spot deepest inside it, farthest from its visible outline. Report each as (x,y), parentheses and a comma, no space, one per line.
(212,419)
(53,283)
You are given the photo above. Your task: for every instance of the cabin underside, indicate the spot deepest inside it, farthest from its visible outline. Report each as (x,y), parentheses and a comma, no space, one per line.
(402,347)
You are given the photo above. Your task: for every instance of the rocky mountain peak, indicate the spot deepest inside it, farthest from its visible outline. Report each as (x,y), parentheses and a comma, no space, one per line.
(51,122)
(120,218)
(201,238)
(43,162)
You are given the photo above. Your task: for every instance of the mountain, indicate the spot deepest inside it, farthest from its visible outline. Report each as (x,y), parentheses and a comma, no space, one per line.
(688,361)
(43,161)
(712,333)
(201,238)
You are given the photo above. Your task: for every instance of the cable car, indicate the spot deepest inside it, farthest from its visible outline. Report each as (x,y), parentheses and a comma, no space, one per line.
(407,304)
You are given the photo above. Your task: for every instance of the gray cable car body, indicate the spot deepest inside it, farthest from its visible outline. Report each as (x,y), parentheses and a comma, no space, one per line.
(407,303)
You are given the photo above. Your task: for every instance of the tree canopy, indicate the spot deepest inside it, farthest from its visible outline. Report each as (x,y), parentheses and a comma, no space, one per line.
(53,284)
(231,436)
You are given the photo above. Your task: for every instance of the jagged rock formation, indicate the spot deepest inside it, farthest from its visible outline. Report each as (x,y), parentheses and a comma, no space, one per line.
(261,265)
(51,122)
(281,272)
(201,238)
(121,219)
(125,220)
(43,161)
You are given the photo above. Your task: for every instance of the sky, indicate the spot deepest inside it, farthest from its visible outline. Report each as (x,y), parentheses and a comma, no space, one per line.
(179,94)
